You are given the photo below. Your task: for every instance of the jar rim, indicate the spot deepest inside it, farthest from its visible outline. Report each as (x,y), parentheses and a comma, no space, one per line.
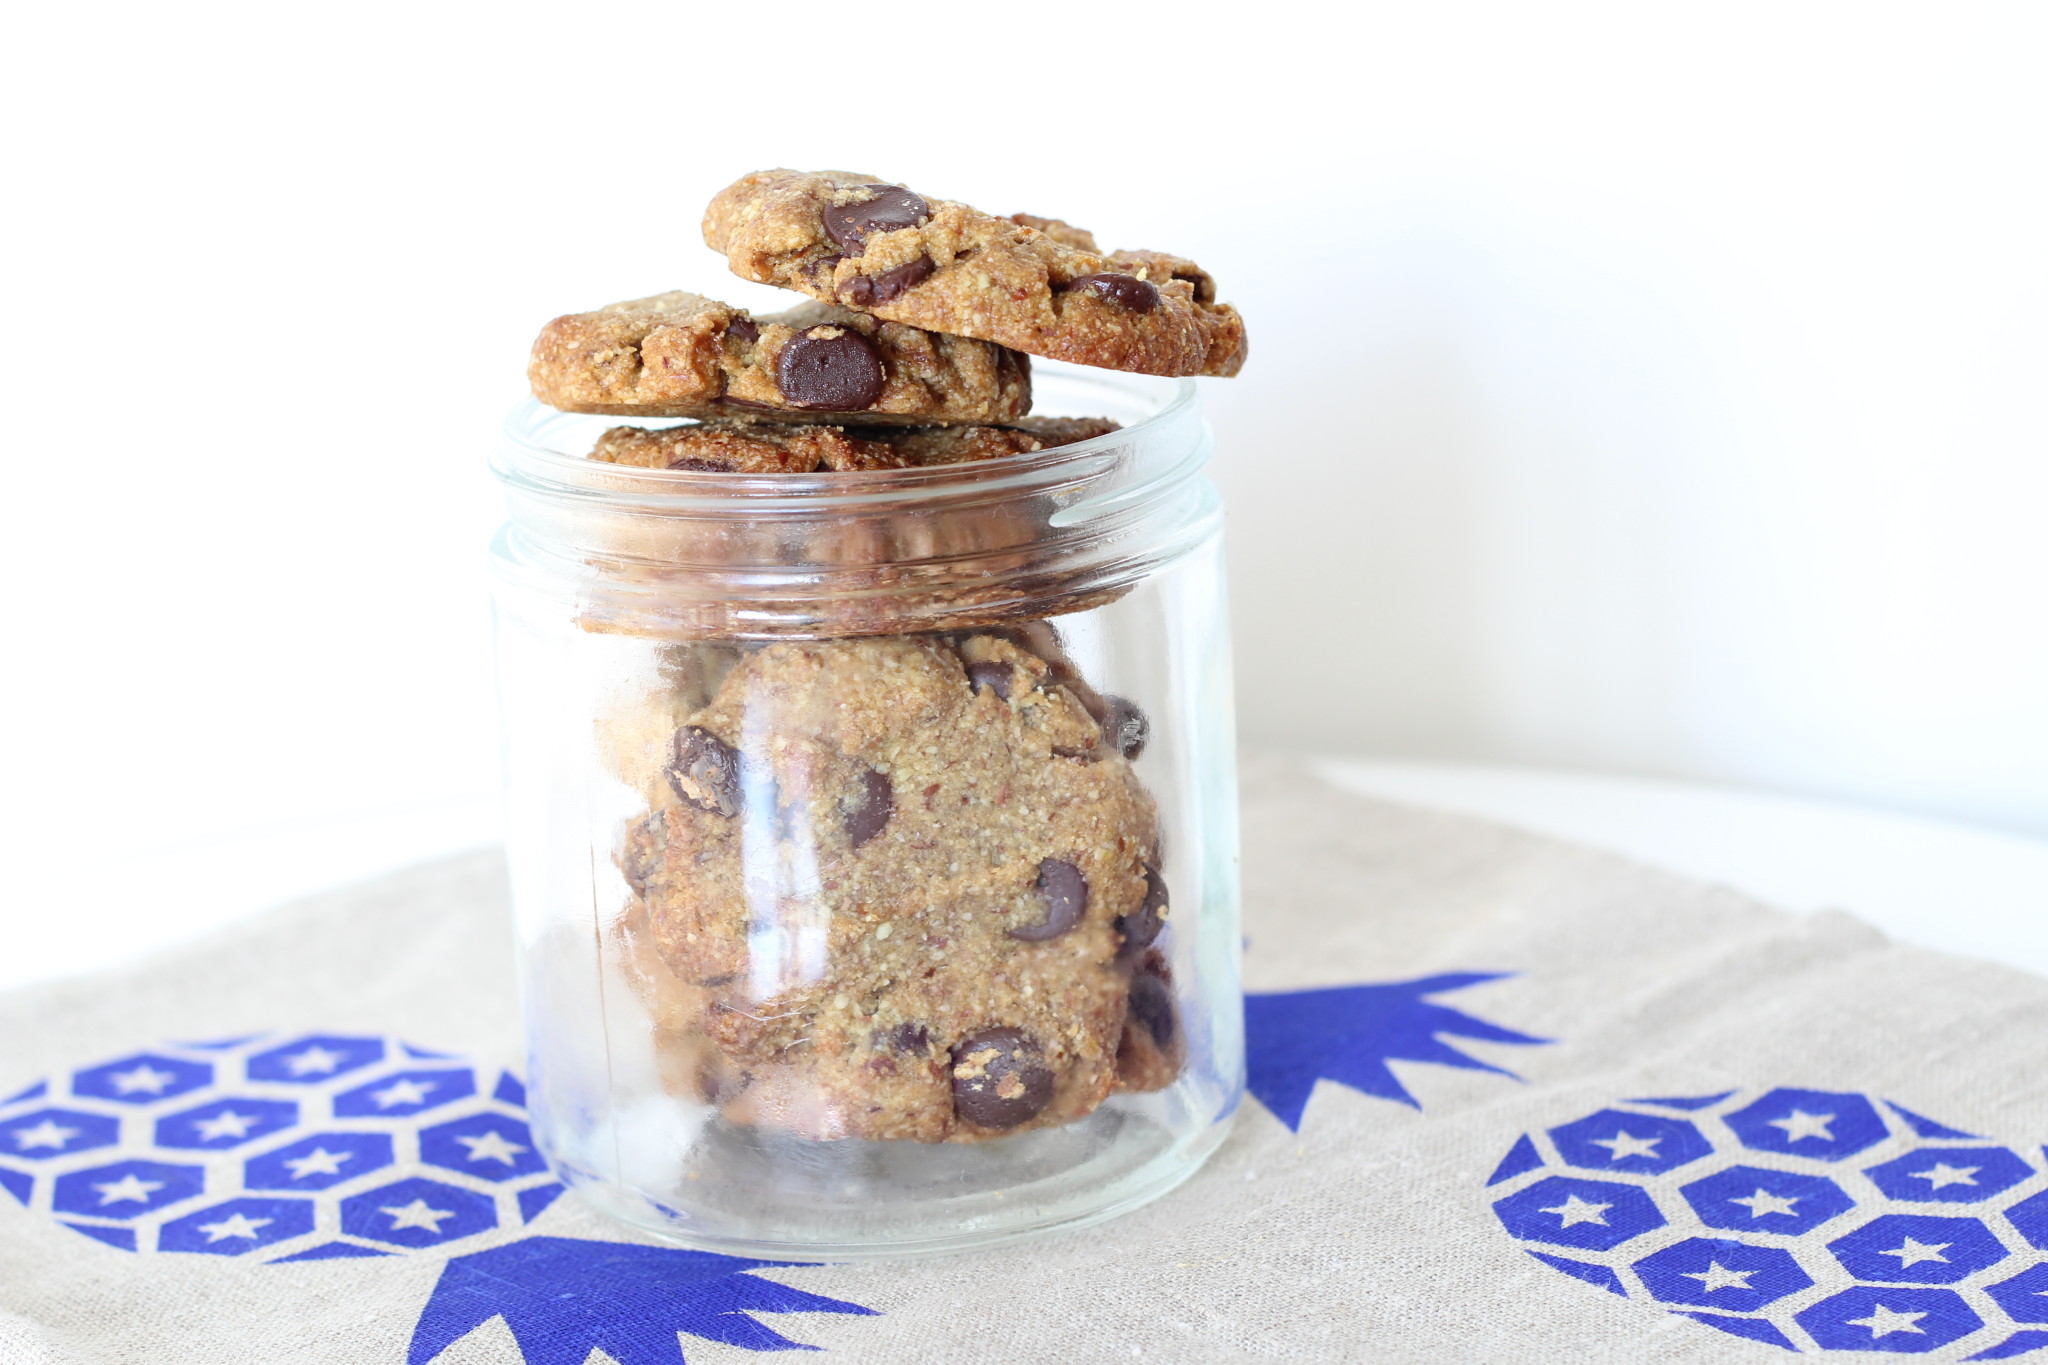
(528,462)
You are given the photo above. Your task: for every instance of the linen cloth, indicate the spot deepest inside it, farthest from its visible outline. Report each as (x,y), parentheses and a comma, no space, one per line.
(1356,1227)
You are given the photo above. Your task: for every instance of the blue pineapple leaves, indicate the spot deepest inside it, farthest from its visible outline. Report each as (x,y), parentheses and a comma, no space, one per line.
(565,1297)
(1348,1034)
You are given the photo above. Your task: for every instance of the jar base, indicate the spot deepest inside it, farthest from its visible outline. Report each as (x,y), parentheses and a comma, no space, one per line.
(876,1200)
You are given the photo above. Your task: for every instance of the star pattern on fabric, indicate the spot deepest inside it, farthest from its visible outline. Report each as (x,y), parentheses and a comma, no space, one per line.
(1799,1125)
(1882,1322)
(1941,1175)
(234,1225)
(226,1124)
(1575,1210)
(491,1147)
(141,1080)
(319,1161)
(1718,1276)
(418,1214)
(1764,1202)
(49,1133)
(314,1061)
(129,1186)
(1623,1145)
(402,1092)
(1912,1253)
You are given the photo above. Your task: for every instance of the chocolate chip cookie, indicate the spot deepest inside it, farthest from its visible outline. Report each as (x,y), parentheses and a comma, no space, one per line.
(1032,284)
(901,887)
(762,448)
(683,355)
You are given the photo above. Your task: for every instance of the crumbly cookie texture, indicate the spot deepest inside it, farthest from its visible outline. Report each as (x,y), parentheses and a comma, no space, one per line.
(1031,284)
(683,355)
(762,448)
(902,887)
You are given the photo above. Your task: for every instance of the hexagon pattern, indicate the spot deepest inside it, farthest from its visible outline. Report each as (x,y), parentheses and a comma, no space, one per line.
(300,1146)
(1745,1212)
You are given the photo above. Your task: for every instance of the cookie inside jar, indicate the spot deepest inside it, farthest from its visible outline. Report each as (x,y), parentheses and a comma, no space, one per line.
(894,887)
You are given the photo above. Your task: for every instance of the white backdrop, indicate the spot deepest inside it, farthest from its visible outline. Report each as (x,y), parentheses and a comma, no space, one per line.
(1647,388)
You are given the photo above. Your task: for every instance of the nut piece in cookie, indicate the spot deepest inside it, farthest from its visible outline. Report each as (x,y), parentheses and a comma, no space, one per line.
(683,355)
(764,448)
(1032,284)
(901,882)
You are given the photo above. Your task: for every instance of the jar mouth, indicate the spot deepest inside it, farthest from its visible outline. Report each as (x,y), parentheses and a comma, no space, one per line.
(698,553)
(545,454)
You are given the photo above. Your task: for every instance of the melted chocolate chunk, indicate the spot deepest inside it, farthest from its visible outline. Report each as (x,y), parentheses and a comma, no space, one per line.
(743,330)
(888,208)
(907,1038)
(705,771)
(1124,726)
(1125,291)
(831,367)
(873,804)
(992,674)
(865,291)
(1066,901)
(1152,1006)
(1140,928)
(1000,1078)
(702,466)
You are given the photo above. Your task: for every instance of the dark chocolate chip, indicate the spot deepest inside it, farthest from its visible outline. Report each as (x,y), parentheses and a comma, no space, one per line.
(705,771)
(1152,1006)
(1000,1078)
(872,806)
(1124,726)
(866,291)
(1066,901)
(1142,926)
(992,674)
(907,1038)
(824,265)
(887,208)
(642,853)
(1125,291)
(743,330)
(841,371)
(702,466)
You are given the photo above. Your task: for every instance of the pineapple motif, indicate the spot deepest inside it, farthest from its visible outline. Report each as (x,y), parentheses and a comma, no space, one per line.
(1806,1219)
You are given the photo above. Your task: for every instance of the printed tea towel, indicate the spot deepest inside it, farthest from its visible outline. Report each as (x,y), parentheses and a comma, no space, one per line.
(1511,1101)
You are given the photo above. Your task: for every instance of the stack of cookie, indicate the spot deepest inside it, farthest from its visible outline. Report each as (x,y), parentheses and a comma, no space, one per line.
(897,883)
(913,351)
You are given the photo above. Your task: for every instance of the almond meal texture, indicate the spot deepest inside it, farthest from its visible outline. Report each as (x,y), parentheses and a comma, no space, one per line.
(683,355)
(1032,284)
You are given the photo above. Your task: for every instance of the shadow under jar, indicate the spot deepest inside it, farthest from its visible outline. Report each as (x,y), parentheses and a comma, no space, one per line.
(873,835)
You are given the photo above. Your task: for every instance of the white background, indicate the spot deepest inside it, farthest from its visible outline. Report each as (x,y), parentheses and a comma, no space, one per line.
(1648,388)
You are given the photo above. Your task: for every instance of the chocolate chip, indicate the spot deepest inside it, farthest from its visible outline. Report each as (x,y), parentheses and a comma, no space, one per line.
(906,1038)
(705,771)
(874,803)
(824,265)
(992,674)
(1125,291)
(1142,926)
(886,209)
(1066,901)
(830,367)
(743,330)
(1124,726)
(1152,1006)
(701,466)
(866,291)
(1000,1078)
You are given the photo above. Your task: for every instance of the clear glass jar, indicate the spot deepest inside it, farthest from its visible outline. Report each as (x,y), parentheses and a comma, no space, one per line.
(873,835)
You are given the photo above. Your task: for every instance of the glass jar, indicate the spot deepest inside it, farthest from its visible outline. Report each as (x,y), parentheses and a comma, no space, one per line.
(873,835)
